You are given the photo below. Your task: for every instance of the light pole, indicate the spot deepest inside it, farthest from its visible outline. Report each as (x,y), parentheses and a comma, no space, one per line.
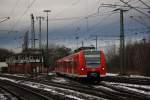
(47,11)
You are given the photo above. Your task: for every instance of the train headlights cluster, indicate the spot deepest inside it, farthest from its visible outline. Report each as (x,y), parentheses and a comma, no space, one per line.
(103,68)
(82,69)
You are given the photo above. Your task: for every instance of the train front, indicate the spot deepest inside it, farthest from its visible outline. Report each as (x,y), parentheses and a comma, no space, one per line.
(93,64)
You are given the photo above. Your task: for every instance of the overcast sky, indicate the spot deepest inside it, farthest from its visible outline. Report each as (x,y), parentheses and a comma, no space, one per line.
(69,19)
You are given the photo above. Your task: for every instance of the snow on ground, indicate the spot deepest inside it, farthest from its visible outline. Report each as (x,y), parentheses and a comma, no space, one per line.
(112,74)
(139,76)
(129,87)
(51,73)
(6,96)
(11,80)
(59,80)
(134,90)
(2,97)
(17,75)
(102,87)
(55,90)
(132,76)
(64,92)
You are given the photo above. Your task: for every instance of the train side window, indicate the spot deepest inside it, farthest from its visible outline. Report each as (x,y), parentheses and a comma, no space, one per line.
(75,64)
(72,63)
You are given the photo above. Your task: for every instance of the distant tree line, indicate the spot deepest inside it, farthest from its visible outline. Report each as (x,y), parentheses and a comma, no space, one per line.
(4,53)
(55,52)
(137,59)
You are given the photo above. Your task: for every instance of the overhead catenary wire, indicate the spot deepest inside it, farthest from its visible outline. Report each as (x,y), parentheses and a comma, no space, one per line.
(29,6)
(132,17)
(14,7)
(144,4)
(135,8)
(116,5)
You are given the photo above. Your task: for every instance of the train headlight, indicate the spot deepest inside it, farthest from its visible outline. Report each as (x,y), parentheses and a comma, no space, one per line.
(82,69)
(103,68)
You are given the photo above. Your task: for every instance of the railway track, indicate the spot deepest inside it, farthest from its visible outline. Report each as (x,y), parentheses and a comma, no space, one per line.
(126,92)
(4,95)
(22,92)
(124,79)
(105,91)
(106,94)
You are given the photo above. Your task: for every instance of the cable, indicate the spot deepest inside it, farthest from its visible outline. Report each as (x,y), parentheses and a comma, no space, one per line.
(144,4)
(13,9)
(72,4)
(104,19)
(29,6)
(132,17)
(135,8)
(115,5)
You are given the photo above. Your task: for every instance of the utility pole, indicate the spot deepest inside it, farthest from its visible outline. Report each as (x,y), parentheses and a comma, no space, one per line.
(77,35)
(82,44)
(122,43)
(77,38)
(96,42)
(47,11)
(40,18)
(25,41)
(32,32)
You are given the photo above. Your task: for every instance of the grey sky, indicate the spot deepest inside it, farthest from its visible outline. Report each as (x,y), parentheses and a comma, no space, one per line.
(66,20)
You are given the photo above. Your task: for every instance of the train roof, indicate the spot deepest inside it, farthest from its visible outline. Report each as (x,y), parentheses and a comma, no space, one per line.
(69,56)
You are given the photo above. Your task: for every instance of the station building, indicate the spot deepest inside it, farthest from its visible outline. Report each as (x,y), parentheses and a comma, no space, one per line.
(26,62)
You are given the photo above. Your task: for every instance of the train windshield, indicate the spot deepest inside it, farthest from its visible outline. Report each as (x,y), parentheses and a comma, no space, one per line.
(92,58)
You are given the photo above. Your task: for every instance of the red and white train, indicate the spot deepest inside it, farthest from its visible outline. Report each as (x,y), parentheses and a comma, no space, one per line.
(83,64)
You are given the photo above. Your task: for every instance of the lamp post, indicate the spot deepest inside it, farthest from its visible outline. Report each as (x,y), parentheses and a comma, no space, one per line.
(47,11)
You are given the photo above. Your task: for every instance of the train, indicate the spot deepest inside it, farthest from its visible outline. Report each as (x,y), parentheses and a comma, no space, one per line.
(85,64)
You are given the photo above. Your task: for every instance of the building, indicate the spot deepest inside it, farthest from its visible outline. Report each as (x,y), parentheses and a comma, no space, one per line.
(26,62)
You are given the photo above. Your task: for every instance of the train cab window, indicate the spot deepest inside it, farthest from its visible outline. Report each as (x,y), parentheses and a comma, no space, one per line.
(92,58)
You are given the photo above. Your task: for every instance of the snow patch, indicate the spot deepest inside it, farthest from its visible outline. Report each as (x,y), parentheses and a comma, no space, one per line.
(56,90)
(17,75)
(73,97)
(2,97)
(11,80)
(51,73)
(106,88)
(59,80)
(139,76)
(112,74)
(125,86)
